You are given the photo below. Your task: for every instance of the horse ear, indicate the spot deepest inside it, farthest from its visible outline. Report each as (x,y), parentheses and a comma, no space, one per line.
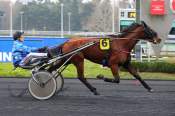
(143,23)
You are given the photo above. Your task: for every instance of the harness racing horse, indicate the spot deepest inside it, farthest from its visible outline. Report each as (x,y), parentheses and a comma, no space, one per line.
(118,55)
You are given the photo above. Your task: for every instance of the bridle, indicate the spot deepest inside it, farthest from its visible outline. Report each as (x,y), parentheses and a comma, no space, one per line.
(148,33)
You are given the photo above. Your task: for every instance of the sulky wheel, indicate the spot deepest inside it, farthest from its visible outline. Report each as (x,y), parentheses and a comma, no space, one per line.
(60,83)
(42,86)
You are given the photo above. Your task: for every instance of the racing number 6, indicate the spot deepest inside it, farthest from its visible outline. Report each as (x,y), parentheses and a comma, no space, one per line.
(104,44)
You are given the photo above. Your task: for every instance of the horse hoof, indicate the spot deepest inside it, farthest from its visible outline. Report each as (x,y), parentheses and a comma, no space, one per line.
(151,90)
(94,90)
(96,93)
(116,81)
(100,76)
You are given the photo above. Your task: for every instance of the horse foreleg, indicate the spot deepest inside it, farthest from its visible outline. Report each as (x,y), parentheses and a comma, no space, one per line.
(80,72)
(134,72)
(114,69)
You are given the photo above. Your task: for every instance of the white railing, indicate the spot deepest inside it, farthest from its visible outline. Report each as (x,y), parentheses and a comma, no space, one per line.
(55,33)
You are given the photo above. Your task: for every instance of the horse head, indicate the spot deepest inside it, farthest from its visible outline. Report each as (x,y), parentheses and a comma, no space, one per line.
(149,34)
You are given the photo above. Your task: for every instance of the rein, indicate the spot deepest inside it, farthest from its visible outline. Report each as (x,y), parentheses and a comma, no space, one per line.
(111,39)
(124,39)
(124,51)
(116,50)
(129,32)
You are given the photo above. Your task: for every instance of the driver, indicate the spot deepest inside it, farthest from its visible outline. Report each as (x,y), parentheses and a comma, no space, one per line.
(21,52)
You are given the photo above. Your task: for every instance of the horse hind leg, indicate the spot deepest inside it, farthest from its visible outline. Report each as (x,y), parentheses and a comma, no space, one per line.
(80,71)
(55,66)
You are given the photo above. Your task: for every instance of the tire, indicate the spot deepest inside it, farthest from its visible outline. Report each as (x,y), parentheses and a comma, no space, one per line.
(42,92)
(60,83)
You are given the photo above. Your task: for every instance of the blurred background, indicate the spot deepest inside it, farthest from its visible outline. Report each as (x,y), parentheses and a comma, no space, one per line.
(44,15)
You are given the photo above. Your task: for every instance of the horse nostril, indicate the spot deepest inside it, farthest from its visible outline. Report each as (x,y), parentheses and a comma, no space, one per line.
(155,41)
(159,40)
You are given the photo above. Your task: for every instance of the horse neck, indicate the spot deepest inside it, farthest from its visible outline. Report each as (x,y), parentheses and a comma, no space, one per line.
(133,39)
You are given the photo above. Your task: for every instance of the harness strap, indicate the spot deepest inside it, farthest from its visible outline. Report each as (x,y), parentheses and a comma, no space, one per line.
(106,58)
(123,51)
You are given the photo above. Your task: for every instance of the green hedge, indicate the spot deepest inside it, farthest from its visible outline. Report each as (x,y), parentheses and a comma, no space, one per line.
(155,67)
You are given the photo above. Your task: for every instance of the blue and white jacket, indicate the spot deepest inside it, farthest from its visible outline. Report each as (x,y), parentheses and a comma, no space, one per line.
(19,51)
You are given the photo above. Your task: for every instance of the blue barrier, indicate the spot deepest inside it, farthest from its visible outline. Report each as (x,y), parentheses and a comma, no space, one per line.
(6,44)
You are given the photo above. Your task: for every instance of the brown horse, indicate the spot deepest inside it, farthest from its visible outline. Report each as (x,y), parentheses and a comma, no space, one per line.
(118,54)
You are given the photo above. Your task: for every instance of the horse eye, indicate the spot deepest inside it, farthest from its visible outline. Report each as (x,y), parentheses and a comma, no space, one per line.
(154,34)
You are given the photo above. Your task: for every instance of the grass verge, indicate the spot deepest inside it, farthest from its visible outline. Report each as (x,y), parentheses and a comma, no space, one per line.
(91,71)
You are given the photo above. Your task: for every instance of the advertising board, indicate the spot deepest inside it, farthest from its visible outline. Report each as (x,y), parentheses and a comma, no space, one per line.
(157,7)
(6,44)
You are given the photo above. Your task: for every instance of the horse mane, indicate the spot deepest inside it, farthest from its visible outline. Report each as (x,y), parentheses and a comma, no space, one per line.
(128,29)
(114,35)
(124,32)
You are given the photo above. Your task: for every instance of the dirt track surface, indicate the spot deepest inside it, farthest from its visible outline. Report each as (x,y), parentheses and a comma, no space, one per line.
(126,99)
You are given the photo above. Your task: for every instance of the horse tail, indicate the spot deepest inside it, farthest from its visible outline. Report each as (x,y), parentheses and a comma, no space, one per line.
(55,51)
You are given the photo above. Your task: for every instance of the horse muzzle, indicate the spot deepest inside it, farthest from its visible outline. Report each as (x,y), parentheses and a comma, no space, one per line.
(156,40)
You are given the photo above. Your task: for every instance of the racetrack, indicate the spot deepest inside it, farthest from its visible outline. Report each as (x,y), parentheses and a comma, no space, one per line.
(126,99)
